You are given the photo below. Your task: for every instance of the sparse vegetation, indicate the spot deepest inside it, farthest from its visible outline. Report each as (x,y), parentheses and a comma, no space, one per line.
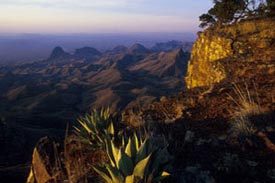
(96,127)
(137,161)
(241,126)
(225,12)
(131,159)
(246,108)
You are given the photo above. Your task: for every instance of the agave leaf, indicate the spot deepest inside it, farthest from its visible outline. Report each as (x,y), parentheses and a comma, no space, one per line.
(77,129)
(142,151)
(137,141)
(107,113)
(110,153)
(100,139)
(89,122)
(84,125)
(128,148)
(115,174)
(111,129)
(103,173)
(123,141)
(125,163)
(96,127)
(141,166)
(118,158)
(135,145)
(130,179)
(163,175)
(115,153)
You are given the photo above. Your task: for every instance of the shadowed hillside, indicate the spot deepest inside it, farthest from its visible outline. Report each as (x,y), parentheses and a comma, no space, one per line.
(41,98)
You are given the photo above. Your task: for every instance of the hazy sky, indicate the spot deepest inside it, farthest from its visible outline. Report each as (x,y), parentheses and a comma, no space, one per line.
(94,16)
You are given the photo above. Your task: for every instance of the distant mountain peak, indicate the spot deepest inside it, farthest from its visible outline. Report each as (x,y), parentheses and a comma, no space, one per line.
(179,51)
(138,48)
(86,52)
(58,53)
(120,48)
(172,45)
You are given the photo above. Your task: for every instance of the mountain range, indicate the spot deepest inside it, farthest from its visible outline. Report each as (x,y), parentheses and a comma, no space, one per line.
(19,48)
(42,97)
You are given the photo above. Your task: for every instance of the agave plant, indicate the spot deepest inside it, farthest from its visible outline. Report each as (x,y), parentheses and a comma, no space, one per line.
(137,161)
(96,127)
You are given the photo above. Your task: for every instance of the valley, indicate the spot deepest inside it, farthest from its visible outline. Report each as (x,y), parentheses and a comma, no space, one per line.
(43,97)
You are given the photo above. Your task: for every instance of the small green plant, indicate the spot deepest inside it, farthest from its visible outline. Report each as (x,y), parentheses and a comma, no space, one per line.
(96,127)
(137,161)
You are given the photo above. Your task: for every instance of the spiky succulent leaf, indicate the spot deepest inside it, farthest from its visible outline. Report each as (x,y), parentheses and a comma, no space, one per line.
(163,175)
(111,152)
(141,167)
(115,174)
(131,148)
(123,141)
(96,127)
(142,150)
(137,141)
(128,148)
(130,179)
(103,173)
(125,163)
(111,129)
(115,152)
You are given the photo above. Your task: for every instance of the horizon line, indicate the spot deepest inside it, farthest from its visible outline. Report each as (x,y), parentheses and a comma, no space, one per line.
(90,33)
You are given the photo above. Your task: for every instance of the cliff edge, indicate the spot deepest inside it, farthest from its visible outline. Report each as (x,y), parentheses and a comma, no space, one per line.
(250,40)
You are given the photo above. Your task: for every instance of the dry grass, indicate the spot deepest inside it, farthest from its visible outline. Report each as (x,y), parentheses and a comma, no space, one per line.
(247,106)
(74,163)
(78,158)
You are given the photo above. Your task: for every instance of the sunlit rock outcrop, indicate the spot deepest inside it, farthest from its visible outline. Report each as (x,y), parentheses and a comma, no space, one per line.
(252,40)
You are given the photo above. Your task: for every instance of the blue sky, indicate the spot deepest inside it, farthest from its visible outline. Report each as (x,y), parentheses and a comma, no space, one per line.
(101,16)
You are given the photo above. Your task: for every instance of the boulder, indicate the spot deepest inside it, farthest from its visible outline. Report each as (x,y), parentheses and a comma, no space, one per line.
(46,166)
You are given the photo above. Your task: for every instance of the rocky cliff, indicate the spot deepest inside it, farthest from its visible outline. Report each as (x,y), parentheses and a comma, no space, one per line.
(231,86)
(250,40)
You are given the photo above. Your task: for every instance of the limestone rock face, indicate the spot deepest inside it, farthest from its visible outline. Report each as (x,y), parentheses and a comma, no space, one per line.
(252,40)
